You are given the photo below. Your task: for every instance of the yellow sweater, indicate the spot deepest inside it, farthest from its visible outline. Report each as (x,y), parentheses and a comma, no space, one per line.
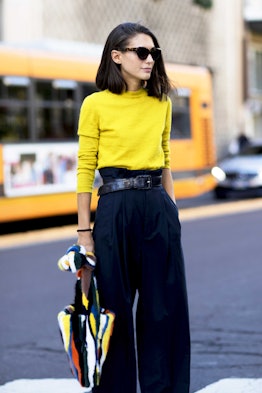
(129,130)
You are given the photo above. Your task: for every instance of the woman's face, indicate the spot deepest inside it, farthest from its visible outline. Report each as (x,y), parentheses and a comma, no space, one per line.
(133,69)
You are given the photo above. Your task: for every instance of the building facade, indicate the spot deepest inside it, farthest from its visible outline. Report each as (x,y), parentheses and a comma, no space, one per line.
(253,63)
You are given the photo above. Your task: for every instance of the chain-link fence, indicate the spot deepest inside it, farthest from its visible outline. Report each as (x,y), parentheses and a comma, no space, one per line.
(180,25)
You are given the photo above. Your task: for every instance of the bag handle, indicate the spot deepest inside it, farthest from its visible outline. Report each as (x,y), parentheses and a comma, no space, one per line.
(86,276)
(89,289)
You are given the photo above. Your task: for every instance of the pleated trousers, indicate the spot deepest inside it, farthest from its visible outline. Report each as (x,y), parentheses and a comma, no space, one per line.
(137,237)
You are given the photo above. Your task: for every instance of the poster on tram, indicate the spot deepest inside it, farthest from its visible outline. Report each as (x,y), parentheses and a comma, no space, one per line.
(39,168)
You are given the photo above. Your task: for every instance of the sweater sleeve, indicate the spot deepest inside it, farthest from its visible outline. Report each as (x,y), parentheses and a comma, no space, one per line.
(166,135)
(88,131)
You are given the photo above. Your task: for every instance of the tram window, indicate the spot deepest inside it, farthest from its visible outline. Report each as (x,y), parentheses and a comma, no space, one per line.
(12,87)
(63,89)
(55,123)
(56,90)
(181,128)
(55,109)
(13,123)
(43,90)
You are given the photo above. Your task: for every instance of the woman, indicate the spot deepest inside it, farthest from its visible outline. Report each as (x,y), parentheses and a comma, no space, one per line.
(124,132)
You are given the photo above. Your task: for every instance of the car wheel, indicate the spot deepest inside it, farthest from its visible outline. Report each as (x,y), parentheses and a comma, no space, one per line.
(220,193)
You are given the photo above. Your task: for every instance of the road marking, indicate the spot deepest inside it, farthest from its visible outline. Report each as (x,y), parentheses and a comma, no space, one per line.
(234,385)
(43,386)
(228,385)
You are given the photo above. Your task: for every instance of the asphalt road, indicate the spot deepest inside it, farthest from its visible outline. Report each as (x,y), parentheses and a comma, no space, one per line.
(222,249)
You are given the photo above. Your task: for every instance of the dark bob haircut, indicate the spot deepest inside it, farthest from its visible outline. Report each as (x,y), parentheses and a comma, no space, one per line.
(109,73)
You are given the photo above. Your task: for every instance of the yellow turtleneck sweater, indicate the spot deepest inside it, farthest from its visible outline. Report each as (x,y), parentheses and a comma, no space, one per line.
(129,130)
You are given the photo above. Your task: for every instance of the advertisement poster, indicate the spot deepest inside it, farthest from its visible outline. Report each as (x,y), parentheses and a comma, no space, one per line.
(39,168)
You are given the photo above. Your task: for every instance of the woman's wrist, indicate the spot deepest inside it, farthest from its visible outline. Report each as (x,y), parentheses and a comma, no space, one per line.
(84,235)
(86,239)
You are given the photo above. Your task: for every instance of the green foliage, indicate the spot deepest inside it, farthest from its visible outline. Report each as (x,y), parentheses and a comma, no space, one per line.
(204,3)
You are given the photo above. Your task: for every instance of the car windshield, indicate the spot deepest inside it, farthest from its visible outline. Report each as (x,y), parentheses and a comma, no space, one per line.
(252,151)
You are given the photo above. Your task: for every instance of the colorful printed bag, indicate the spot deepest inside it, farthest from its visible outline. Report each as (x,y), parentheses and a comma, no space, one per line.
(86,329)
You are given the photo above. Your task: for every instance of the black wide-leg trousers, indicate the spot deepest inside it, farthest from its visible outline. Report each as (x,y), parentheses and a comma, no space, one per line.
(138,247)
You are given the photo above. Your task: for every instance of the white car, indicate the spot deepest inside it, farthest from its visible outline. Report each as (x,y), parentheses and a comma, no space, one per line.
(240,172)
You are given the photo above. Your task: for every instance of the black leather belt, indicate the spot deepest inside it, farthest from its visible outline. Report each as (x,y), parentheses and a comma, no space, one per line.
(141,182)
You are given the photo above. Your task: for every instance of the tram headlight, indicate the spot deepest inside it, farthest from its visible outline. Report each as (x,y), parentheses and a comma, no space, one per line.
(218,173)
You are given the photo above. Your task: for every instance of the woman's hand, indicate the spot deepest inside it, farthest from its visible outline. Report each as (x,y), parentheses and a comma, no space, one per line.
(86,239)
(168,183)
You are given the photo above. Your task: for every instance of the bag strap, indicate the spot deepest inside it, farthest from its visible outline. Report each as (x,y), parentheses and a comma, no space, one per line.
(86,277)
(89,289)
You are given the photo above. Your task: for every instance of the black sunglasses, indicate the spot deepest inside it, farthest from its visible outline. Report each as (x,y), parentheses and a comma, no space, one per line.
(143,53)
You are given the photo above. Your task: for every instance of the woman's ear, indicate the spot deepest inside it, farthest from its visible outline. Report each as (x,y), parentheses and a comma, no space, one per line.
(116,56)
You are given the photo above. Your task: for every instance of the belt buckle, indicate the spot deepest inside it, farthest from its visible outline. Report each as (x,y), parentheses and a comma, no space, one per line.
(143,182)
